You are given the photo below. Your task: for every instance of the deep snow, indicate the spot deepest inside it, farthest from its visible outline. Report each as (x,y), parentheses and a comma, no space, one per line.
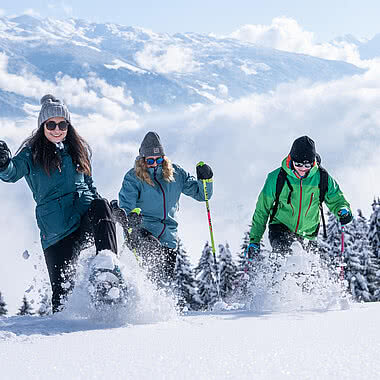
(148,339)
(222,345)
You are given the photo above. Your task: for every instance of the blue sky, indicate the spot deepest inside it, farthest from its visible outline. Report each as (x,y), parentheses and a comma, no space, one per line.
(327,19)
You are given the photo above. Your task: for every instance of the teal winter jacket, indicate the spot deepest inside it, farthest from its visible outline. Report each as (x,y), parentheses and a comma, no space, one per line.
(159,203)
(62,198)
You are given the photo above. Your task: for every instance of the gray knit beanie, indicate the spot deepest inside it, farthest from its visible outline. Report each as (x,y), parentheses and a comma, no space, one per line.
(151,146)
(52,107)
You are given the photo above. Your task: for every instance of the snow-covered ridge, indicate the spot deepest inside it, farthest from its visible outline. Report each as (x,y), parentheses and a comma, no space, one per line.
(185,68)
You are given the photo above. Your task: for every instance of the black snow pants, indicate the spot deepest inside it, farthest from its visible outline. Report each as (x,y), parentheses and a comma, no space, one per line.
(281,239)
(97,226)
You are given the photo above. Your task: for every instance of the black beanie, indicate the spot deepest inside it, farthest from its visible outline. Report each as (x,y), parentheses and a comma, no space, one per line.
(151,146)
(303,149)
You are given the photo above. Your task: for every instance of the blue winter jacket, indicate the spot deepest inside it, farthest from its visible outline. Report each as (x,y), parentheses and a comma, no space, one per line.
(159,203)
(62,198)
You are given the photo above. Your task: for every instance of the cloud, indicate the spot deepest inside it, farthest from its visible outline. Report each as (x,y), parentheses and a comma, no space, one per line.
(166,60)
(2,12)
(91,93)
(31,12)
(60,8)
(286,34)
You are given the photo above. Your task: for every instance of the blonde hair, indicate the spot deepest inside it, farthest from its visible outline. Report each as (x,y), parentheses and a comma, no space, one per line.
(143,174)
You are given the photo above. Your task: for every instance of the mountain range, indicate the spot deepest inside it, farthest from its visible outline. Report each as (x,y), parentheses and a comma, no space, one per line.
(145,70)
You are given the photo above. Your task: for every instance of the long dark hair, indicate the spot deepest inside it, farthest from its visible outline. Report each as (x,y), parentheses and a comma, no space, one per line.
(44,151)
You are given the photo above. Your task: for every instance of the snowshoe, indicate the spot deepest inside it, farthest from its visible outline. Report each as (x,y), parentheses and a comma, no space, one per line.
(107,286)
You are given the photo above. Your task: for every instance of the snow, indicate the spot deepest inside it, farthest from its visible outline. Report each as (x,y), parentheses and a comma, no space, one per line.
(218,345)
(118,63)
(149,339)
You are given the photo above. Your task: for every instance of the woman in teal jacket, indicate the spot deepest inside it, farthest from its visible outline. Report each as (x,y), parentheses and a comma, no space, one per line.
(155,185)
(55,162)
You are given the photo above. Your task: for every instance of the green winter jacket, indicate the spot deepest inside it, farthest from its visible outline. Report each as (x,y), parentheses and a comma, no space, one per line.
(62,198)
(159,203)
(302,215)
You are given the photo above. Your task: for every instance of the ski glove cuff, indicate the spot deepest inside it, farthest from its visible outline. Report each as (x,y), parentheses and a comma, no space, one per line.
(345,216)
(5,155)
(134,218)
(252,251)
(203,171)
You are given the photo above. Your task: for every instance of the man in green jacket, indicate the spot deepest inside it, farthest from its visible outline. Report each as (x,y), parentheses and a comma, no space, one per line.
(297,214)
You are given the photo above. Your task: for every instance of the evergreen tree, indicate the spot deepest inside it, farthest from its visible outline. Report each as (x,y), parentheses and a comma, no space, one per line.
(45,305)
(357,258)
(228,272)
(373,272)
(246,270)
(184,282)
(374,229)
(330,250)
(3,309)
(206,278)
(26,308)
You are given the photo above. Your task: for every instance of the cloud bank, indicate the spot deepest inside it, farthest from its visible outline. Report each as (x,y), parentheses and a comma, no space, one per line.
(286,34)
(166,60)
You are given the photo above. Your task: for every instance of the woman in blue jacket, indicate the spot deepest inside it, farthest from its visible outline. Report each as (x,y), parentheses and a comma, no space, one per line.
(155,185)
(55,162)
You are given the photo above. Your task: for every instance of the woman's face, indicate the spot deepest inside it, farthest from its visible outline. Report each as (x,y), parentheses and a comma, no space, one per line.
(56,135)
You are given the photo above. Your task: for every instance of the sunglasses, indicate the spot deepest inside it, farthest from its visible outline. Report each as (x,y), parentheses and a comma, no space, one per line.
(151,161)
(305,164)
(62,125)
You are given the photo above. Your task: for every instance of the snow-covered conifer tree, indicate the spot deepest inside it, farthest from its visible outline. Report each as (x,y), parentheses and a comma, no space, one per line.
(357,258)
(184,282)
(45,305)
(373,272)
(331,249)
(245,270)
(228,272)
(374,228)
(3,309)
(26,308)
(206,278)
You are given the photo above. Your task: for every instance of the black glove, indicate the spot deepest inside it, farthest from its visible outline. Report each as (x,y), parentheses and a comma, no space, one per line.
(119,214)
(5,155)
(345,216)
(134,218)
(203,171)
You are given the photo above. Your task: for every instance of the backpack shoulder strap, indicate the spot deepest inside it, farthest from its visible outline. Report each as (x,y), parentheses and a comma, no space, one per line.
(323,187)
(323,184)
(281,179)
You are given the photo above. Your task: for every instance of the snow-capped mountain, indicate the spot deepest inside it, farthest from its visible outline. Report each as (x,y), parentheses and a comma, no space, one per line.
(368,48)
(147,69)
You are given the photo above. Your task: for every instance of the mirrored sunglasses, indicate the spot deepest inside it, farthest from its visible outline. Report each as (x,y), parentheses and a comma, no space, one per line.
(305,164)
(151,161)
(62,125)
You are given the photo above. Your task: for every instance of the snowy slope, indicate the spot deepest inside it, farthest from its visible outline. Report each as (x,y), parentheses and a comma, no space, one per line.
(293,335)
(224,345)
(155,70)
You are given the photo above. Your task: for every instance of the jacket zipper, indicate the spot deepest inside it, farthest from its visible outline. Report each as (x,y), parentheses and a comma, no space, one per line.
(164,199)
(311,200)
(299,213)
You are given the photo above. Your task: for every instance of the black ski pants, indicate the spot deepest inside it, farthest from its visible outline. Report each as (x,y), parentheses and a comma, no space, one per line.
(160,265)
(159,261)
(281,239)
(97,226)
